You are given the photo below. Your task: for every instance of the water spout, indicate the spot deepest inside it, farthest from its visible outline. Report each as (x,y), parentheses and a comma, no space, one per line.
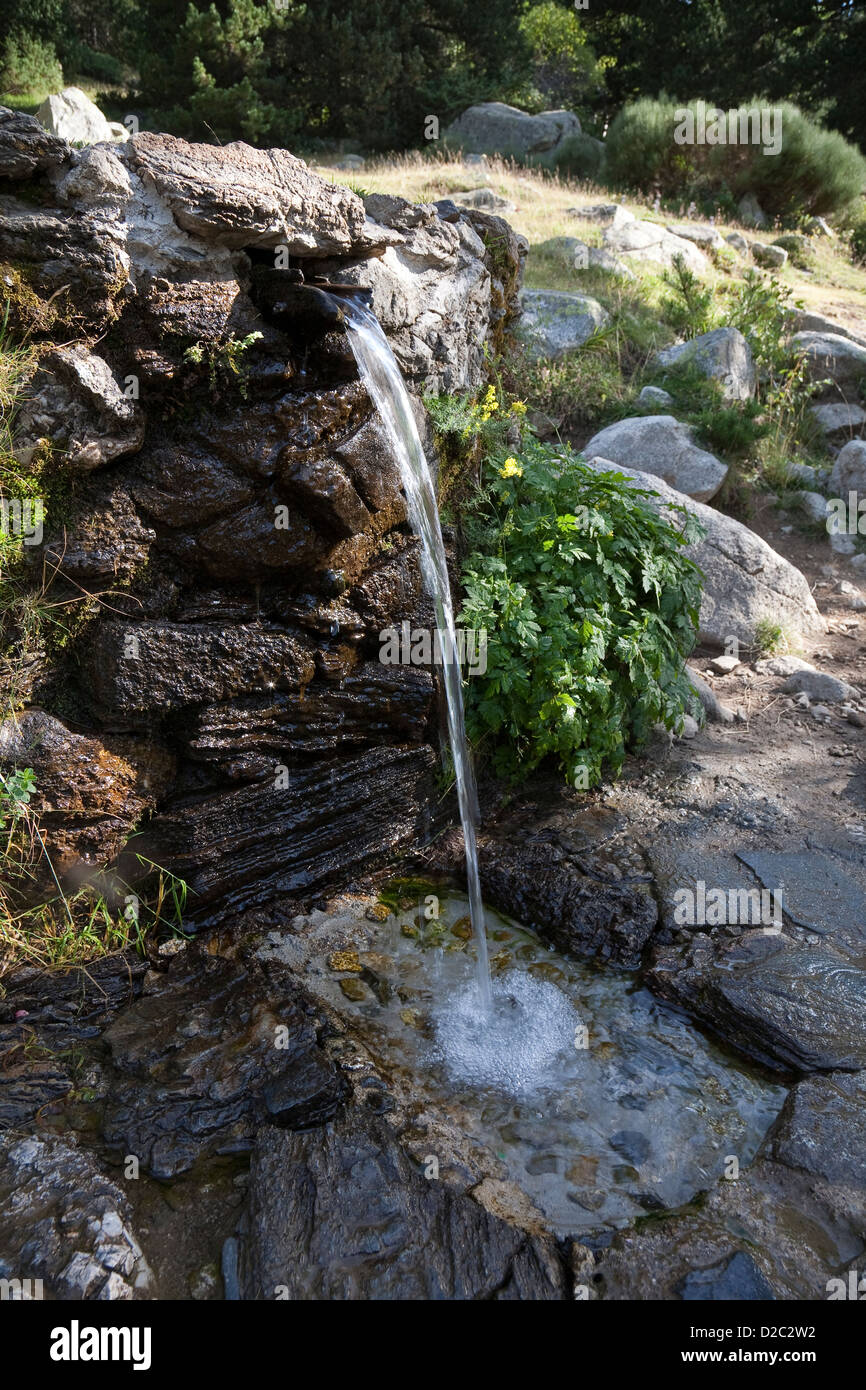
(387,390)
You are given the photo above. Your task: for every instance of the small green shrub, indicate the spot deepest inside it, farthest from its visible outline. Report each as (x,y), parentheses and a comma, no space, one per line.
(590,605)
(580,157)
(815,171)
(689,308)
(27,64)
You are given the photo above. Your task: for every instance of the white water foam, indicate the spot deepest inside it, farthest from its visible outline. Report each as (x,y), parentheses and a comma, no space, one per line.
(515,1046)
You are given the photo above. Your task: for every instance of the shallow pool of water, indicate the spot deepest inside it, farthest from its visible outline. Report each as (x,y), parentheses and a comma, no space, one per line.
(601,1102)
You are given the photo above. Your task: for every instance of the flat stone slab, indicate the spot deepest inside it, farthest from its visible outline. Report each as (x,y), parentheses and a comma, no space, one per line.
(737,1278)
(816,892)
(789,1006)
(822,1128)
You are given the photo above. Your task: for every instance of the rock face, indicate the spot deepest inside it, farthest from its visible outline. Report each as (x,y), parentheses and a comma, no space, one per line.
(232,486)
(665,447)
(822,1128)
(342,1213)
(723,355)
(554,323)
(492,127)
(744,578)
(838,420)
(73,116)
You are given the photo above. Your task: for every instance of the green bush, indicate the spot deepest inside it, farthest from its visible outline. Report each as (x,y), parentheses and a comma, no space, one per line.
(28,64)
(816,171)
(565,73)
(580,157)
(590,605)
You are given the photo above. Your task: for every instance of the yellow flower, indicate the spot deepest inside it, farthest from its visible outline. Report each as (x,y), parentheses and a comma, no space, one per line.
(490,403)
(511,469)
(518,407)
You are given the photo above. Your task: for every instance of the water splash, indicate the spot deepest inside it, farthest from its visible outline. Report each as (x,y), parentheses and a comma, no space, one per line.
(384,382)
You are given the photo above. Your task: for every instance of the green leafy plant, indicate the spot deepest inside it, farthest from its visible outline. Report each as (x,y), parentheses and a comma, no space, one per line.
(590,605)
(223,358)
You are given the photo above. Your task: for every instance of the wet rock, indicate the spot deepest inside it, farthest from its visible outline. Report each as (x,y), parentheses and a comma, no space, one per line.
(88,797)
(342,1213)
(104,540)
(237,196)
(153,667)
(816,891)
(75,403)
(26,148)
(78,264)
(213,1051)
(788,1006)
(251,545)
(252,844)
(632,1144)
(738,1278)
(566,905)
(373,704)
(324,492)
(183,484)
(822,1128)
(67,1223)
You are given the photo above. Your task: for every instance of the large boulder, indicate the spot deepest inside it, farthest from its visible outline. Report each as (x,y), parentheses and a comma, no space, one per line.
(710,238)
(838,420)
(25,146)
(744,578)
(492,127)
(831,355)
(723,355)
(665,447)
(554,323)
(804,321)
(647,242)
(74,117)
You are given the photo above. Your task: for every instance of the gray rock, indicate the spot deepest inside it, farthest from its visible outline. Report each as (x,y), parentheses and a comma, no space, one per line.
(838,420)
(773,257)
(632,1144)
(805,473)
(715,711)
(214,1050)
(821,226)
(96,179)
(822,1128)
(605,214)
(663,447)
(735,1279)
(849,470)
(74,117)
(342,1213)
(554,323)
(814,505)
(493,127)
(805,321)
(819,685)
(744,578)
(75,404)
(738,241)
(786,1005)
(818,893)
(722,355)
(781,665)
(637,241)
(483,198)
(655,395)
(708,237)
(751,212)
(831,355)
(67,1223)
(25,147)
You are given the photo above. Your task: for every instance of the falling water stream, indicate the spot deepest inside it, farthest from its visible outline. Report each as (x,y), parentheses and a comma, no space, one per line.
(384,382)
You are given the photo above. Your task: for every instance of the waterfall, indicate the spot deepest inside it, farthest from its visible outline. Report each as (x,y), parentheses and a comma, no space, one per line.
(387,390)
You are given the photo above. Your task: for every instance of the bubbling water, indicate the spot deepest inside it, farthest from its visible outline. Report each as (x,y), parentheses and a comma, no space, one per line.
(513,1048)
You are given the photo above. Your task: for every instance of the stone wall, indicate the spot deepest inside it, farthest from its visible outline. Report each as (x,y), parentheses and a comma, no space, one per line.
(236,509)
